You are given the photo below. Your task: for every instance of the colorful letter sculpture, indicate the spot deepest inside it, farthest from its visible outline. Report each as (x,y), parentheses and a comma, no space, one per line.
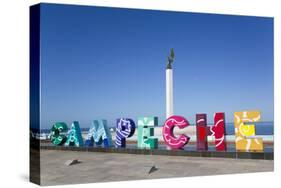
(218,130)
(245,134)
(125,128)
(58,133)
(202,132)
(245,138)
(168,135)
(146,132)
(74,137)
(99,133)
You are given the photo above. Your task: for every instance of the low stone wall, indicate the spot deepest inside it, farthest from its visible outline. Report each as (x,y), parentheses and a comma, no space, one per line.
(237,155)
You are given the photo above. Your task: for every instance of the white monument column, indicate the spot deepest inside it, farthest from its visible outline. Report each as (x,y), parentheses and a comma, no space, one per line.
(169,85)
(169,92)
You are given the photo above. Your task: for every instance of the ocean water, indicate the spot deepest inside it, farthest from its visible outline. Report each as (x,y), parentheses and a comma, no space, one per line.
(262,128)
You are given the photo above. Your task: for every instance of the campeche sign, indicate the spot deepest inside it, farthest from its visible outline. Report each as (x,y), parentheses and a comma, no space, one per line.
(99,133)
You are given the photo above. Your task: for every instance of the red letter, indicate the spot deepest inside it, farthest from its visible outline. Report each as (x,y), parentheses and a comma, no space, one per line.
(201,132)
(218,130)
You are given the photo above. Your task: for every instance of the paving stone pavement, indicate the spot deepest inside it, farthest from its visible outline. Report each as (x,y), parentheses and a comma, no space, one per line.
(104,167)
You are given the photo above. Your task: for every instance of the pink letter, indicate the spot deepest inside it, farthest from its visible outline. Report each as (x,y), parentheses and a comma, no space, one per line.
(168,135)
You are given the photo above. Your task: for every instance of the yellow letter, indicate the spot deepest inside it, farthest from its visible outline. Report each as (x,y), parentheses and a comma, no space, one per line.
(245,139)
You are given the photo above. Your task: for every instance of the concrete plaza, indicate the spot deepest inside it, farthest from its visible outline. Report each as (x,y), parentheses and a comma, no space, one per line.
(103,167)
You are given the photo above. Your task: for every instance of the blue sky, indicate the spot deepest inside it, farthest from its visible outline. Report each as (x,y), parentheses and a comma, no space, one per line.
(110,63)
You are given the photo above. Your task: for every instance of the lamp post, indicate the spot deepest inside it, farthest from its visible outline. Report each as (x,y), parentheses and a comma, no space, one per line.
(169,85)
